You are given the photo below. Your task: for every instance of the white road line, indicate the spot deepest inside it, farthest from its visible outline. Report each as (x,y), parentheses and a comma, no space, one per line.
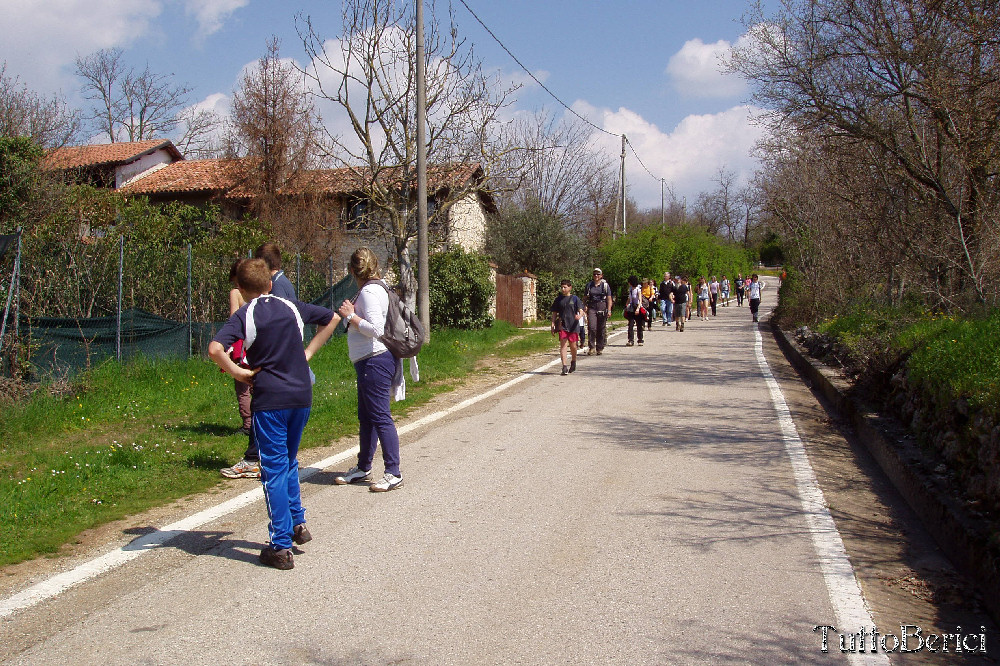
(845,593)
(61,582)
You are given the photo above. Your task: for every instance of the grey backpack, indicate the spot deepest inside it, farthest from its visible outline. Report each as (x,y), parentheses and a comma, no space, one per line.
(404,334)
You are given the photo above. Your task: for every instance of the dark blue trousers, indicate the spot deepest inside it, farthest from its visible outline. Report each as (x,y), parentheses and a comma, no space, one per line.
(374,416)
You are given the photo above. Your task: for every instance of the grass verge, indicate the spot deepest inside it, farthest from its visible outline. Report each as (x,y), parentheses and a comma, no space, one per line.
(134,436)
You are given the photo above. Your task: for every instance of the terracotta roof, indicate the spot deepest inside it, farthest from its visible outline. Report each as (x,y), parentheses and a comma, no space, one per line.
(72,157)
(227,176)
(220,175)
(346,179)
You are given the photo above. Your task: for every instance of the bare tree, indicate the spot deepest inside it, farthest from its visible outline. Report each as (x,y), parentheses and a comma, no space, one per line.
(129,104)
(910,90)
(559,167)
(368,73)
(49,123)
(202,133)
(719,209)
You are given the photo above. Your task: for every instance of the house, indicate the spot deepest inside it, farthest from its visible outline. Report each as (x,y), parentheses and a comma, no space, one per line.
(112,165)
(157,170)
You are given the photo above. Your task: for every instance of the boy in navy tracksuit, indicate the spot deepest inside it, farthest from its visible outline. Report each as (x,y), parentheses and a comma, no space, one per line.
(272,329)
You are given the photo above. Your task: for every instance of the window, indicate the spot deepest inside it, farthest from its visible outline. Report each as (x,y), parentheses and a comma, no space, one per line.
(358,211)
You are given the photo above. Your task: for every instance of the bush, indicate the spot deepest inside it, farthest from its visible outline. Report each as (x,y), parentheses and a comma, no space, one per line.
(460,290)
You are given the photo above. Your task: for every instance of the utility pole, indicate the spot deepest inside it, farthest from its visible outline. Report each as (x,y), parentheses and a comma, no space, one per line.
(423,261)
(663,207)
(624,229)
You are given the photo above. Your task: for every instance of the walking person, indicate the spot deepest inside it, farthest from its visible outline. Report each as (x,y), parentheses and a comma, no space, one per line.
(724,287)
(598,302)
(666,300)
(753,295)
(648,299)
(272,328)
(567,314)
(740,290)
(713,287)
(249,466)
(681,294)
(703,296)
(376,369)
(633,311)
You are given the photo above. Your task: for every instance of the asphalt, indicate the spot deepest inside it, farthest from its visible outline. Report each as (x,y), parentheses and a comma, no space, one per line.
(642,510)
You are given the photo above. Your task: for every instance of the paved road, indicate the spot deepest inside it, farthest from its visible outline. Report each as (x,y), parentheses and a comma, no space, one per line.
(641,511)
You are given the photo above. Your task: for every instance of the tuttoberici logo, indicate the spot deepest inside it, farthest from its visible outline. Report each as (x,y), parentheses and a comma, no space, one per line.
(911,638)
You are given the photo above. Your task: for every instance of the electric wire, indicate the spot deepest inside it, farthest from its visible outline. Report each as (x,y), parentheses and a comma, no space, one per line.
(639,159)
(528,72)
(552,94)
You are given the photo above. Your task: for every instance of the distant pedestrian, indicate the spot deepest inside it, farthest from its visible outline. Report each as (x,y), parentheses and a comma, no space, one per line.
(682,295)
(703,296)
(740,289)
(634,311)
(598,302)
(753,295)
(567,315)
(280,284)
(666,299)
(724,286)
(282,397)
(713,287)
(648,299)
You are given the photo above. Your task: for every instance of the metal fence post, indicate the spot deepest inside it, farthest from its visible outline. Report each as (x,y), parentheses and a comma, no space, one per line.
(190,322)
(15,282)
(121,277)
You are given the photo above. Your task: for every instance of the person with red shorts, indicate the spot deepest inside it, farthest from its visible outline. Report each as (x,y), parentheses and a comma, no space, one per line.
(567,313)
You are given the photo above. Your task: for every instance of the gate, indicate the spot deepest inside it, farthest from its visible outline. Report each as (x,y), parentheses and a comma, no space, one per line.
(510,299)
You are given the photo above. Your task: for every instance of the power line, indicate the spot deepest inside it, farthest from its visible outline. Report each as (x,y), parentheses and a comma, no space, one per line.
(528,72)
(553,95)
(640,160)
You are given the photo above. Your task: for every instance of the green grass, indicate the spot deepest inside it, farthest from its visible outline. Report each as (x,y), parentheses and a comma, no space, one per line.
(134,436)
(948,357)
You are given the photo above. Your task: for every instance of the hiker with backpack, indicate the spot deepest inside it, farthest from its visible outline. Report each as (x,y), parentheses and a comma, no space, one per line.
(377,369)
(597,305)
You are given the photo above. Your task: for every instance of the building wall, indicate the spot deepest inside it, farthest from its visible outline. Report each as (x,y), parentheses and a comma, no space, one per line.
(142,166)
(467,224)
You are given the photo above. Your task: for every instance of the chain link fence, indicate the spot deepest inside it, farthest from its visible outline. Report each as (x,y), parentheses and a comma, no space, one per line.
(72,304)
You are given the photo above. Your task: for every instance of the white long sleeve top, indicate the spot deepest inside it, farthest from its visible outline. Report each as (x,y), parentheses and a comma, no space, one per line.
(372,306)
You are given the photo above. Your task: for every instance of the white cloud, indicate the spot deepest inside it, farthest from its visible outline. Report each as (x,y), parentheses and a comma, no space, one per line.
(687,158)
(212,14)
(42,37)
(697,70)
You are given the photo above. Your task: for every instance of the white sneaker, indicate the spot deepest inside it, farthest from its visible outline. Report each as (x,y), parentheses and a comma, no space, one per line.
(386,483)
(353,475)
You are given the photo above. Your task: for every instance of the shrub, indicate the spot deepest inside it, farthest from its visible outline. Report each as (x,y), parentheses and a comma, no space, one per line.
(460,290)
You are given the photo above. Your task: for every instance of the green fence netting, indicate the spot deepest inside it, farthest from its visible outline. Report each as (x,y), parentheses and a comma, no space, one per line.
(66,345)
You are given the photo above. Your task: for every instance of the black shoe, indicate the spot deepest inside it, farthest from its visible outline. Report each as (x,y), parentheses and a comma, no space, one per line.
(572,366)
(279,559)
(565,370)
(300,534)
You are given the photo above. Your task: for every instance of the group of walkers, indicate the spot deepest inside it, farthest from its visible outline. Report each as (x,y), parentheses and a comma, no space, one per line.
(643,303)
(261,347)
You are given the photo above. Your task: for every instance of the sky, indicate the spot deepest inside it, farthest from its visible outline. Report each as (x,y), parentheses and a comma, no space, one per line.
(646,68)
